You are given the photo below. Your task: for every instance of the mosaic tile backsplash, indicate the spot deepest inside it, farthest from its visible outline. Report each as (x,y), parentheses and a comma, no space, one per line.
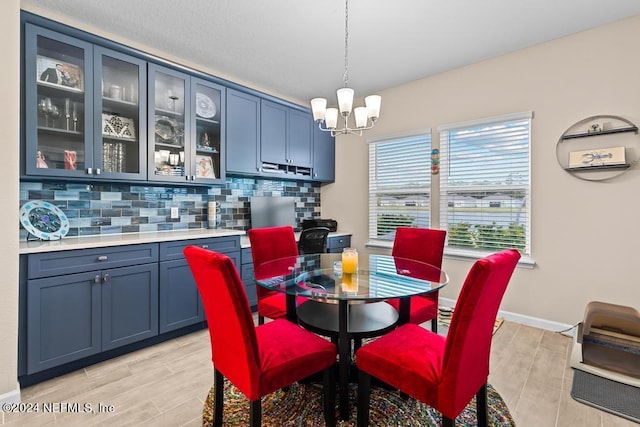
(113,208)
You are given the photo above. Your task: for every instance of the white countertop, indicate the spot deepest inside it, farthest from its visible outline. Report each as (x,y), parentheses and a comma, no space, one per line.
(101,241)
(105,240)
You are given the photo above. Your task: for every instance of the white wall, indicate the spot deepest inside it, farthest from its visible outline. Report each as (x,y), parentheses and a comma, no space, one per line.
(585,234)
(9,200)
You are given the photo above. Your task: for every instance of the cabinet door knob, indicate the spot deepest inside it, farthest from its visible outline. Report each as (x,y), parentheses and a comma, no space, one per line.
(97,171)
(96,279)
(105,278)
(90,171)
(102,258)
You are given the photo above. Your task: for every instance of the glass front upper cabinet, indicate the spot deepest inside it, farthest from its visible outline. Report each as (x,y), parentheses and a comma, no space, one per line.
(85,109)
(168,130)
(208,122)
(186,128)
(58,104)
(119,128)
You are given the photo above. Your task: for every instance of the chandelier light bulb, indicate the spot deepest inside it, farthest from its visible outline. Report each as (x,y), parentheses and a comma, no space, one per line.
(345,100)
(373,106)
(360,114)
(331,118)
(318,106)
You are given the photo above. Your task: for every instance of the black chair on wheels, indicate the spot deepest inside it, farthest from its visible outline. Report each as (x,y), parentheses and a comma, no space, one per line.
(313,240)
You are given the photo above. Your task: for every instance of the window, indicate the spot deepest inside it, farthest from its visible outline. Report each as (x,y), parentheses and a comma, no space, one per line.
(485,183)
(399,184)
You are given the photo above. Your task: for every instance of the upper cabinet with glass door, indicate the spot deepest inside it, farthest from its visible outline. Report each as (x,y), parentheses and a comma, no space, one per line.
(185,125)
(120,132)
(85,109)
(208,121)
(58,108)
(168,130)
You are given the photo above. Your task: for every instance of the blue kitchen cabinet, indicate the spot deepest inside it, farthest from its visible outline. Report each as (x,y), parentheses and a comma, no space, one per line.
(186,128)
(84,109)
(180,303)
(247,274)
(83,302)
(243,133)
(324,156)
(287,136)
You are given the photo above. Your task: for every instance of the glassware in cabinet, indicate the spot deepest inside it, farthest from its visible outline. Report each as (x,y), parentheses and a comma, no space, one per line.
(208,122)
(120,87)
(168,108)
(58,110)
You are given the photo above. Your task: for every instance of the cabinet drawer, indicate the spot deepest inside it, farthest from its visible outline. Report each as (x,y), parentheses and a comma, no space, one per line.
(338,242)
(173,250)
(81,260)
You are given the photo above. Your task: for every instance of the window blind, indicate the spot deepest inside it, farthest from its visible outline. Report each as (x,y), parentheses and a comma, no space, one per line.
(485,183)
(399,184)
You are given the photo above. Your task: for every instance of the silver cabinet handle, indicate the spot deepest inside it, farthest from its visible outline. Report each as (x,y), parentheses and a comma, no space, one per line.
(90,171)
(97,171)
(105,278)
(205,246)
(96,279)
(102,258)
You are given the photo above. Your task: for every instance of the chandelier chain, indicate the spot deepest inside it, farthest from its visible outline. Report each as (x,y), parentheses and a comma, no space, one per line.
(346,43)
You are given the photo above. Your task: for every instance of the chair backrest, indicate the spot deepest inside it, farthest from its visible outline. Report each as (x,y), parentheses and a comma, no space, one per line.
(234,345)
(468,345)
(313,240)
(421,244)
(267,244)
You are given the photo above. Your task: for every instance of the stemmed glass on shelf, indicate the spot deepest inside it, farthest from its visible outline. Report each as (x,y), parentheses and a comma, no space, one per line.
(45,107)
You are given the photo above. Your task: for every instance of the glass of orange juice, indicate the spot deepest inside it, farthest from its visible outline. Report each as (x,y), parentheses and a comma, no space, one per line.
(349,261)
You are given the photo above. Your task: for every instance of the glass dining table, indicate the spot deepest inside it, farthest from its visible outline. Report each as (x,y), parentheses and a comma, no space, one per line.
(345,306)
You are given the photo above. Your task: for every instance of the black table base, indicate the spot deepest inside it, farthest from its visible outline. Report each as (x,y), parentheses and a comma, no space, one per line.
(343,322)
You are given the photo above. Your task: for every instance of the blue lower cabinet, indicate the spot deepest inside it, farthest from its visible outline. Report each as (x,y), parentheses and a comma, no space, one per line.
(129,305)
(73,316)
(63,320)
(180,304)
(80,303)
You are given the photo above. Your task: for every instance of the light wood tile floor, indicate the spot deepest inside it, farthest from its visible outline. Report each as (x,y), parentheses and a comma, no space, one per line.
(165,385)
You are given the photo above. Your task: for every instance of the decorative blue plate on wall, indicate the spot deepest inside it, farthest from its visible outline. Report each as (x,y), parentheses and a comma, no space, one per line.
(44,220)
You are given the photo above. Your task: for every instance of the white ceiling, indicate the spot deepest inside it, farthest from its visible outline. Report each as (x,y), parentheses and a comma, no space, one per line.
(295,48)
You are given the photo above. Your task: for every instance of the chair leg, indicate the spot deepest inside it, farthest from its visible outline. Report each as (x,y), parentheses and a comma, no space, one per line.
(434,325)
(218,384)
(329,389)
(255,416)
(481,406)
(364,389)
(260,320)
(448,422)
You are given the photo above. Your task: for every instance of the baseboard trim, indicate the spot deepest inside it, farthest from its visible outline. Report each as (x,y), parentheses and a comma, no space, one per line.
(11,396)
(523,319)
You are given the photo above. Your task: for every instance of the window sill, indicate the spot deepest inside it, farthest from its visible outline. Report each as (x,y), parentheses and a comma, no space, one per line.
(469,255)
(460,254)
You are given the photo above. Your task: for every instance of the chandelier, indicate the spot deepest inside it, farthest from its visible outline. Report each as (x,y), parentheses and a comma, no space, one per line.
(365,117)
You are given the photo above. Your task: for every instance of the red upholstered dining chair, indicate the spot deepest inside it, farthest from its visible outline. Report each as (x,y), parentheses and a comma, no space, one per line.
(444,373)
(268,244)
(257,360)
(424,245)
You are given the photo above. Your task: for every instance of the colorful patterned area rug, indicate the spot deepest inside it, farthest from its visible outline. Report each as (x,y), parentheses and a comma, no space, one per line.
(301,406)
